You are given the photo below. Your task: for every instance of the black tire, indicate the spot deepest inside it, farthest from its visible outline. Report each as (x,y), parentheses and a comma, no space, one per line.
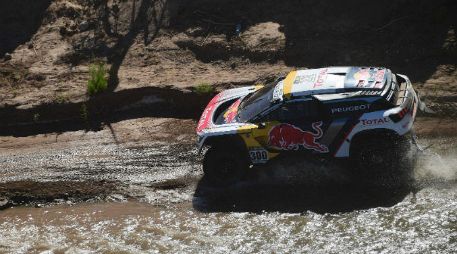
(382,159)
(224,165)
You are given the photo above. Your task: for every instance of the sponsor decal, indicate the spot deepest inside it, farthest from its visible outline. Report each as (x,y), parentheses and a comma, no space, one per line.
(363,74)
(278,91)
(375,121)
(205,119)
(289,137)
(320,78)
(370,78)
(305,78)
(230,114)
(351,108)
(379,76)
(258,155)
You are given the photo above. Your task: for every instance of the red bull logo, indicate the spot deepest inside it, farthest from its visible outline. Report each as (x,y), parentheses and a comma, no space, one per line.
(288,137)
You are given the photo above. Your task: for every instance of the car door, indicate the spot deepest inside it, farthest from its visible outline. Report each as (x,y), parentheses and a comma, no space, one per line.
(297,125)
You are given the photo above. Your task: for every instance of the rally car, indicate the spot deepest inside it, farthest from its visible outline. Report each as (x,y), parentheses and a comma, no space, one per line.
(359,113)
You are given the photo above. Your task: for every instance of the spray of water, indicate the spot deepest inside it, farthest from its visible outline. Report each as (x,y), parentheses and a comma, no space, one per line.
(437,162)
(434,166)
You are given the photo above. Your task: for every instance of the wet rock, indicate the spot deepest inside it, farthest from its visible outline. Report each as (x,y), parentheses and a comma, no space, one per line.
(7,57)
(196,31)
(116,198)
(83,26)
(4,202)
(94,200)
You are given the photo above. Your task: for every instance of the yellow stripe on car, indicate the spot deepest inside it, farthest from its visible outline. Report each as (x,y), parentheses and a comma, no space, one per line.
(258,86)
(288,83)
(246,128)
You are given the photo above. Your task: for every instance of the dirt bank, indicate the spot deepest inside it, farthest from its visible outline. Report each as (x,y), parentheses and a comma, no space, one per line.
(153,46)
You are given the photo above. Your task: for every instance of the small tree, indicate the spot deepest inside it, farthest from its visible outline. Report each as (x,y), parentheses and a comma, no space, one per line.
(98,81)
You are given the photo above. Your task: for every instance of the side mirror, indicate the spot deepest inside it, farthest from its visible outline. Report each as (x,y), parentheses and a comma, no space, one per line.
(262,125)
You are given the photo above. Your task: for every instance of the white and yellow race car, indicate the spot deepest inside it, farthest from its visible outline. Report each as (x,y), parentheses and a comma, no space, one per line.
(346,112)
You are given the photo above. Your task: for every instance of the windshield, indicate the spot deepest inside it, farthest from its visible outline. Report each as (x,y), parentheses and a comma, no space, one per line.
(255,103)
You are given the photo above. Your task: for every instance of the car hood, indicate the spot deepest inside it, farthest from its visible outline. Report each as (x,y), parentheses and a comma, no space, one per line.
(207,120)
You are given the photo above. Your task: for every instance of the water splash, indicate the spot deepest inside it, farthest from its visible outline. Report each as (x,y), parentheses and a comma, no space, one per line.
(437,160)
(434,166)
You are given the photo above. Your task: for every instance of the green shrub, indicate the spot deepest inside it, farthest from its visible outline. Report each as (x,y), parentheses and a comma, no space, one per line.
(98,81)
(204,88)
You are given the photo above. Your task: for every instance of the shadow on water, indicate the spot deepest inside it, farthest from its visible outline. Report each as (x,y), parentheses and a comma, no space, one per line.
(330,188)
(296,198)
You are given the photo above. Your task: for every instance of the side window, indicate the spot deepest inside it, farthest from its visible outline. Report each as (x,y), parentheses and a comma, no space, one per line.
(295,111)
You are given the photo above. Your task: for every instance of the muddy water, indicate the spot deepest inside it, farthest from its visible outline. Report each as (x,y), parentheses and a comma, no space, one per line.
(94,161)
(332,213)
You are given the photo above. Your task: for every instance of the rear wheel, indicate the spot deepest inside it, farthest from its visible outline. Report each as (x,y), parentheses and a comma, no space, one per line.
(224,165)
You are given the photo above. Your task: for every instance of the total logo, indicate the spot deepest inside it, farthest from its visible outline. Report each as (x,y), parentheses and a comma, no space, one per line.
(375,121)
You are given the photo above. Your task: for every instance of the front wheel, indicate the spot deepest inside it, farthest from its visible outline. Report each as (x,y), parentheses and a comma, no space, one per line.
(224,166)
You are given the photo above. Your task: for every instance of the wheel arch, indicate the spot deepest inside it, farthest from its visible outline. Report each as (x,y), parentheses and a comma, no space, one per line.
(379,133)
(231,141)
